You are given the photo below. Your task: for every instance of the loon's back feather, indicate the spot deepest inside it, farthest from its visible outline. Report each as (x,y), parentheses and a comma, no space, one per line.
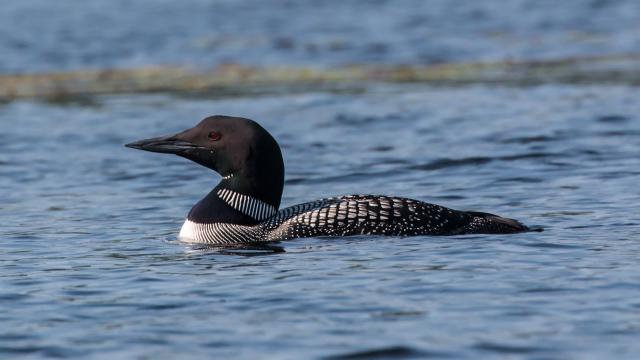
(382,215)
(356,215)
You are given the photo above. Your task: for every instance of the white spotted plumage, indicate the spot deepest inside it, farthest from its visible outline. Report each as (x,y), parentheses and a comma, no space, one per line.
(339,216)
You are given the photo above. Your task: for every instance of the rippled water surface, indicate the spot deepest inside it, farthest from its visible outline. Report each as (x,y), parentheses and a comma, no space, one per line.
(44,35)
(90,268)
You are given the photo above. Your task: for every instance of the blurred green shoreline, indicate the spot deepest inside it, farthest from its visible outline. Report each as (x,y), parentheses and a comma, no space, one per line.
(623,69)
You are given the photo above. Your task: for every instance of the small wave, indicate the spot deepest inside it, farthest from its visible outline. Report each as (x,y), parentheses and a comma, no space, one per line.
(535,155)
(240,249)
(612,119)
(529,139)
(45,351)
(446,163)
(347,177)
(616,133)
(343,119)
(391,352)
(564,213)
(478,160)
(507,349)
(520,179)
(549,245)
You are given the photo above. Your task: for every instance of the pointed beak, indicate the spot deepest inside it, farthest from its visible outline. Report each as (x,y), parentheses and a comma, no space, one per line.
(164,144)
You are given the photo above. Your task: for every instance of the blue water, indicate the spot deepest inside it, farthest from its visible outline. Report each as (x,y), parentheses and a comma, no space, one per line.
(44,35)
(90,268)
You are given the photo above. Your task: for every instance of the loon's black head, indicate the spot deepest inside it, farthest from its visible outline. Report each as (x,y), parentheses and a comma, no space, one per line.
(239,149)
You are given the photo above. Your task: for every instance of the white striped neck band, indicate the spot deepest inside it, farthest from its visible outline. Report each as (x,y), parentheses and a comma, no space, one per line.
(250,206)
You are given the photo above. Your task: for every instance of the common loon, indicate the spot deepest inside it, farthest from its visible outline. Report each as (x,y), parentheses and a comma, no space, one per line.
(243,207)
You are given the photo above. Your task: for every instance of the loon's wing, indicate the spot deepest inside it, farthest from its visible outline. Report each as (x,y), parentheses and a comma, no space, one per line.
(380,215)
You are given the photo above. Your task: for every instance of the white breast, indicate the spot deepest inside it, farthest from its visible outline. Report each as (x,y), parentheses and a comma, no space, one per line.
(219,233)
(188,232)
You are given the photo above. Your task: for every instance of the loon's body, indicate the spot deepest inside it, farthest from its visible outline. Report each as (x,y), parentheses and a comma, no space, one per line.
(243,207)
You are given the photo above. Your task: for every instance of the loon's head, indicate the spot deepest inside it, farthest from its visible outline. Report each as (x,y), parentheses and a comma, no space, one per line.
(240,150)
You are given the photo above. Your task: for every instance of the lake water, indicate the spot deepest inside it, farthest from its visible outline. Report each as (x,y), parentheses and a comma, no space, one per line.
(90,268)
(44,35)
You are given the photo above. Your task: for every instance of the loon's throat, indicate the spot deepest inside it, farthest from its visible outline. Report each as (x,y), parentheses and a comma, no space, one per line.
(226,204)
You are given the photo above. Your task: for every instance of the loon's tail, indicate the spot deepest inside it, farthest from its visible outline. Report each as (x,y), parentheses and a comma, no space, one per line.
(485,223)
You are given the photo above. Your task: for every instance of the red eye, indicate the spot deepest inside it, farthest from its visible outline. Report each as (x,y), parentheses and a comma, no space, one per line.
(214,136)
